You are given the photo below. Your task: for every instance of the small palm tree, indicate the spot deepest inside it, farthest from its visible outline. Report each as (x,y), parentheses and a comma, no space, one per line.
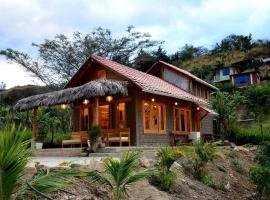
(164,177)
(120,174)
(14,156)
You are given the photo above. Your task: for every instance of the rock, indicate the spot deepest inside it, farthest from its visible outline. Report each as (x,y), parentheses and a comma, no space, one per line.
(91,165)
(41,167)
(226,142)
(228,186)
(144,162)
(241,148)
(29,172)
(254,148)
(176,167)
(232,145)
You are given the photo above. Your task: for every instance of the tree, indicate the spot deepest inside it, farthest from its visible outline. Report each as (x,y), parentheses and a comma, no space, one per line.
(62,56)
(120,174)
(226,105)
(234,42)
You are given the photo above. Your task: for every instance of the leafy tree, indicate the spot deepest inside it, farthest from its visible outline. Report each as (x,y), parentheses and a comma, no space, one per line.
(226,105)
(144,60)
(234,42)
(120,174)
(188,52)
(14,155)
(62,56)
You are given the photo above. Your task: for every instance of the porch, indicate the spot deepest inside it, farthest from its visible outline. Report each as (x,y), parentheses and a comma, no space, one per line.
(100,102)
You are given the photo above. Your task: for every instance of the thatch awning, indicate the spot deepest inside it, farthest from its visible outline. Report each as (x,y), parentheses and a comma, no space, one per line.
(91,89)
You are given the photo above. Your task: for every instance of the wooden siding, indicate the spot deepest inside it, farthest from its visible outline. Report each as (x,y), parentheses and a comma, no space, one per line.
(176,79)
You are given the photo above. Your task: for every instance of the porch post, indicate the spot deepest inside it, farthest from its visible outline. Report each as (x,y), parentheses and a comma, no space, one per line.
(35,125)
(96,111)
(34,130)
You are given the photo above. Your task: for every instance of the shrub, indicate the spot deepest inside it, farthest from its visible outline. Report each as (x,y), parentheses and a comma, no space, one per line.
(164,177)
(14,156)
(205,152)
(260,175)
(93,133)
(120,174)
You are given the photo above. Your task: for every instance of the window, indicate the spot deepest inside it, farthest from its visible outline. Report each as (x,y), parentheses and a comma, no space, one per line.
(182,120)
(226,71)
(121,115)
(242,80)
(104,116)
(154,115)
(101,74)
(84,119)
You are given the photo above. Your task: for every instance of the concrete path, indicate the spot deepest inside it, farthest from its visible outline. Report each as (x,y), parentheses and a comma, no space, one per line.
(55,161)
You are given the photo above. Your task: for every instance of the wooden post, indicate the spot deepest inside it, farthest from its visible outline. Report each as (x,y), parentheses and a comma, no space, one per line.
(35,125)
(96,111)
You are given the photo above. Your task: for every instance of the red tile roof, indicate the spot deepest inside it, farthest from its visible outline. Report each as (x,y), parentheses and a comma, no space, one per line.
(149,83)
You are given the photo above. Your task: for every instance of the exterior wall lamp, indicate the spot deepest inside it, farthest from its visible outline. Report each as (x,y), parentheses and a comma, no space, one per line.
(86,102)
(109,98)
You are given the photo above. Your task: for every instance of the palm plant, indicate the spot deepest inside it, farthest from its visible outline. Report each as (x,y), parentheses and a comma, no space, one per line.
(204,152)
(164,177)
(120,174)
(14,156)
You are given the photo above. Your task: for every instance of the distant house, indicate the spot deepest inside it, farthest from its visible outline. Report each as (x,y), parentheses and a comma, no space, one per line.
(163,104)
(239,74)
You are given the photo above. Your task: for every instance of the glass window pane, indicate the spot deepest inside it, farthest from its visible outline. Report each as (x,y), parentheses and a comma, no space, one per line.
(154,117)
(146,107)
(183,122)
(121,109)
(176,120)
(104,116)
(162,116)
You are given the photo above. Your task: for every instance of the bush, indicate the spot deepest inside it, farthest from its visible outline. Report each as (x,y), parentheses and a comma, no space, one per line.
(57,138)
(164,177)
(260,175)
(204,152)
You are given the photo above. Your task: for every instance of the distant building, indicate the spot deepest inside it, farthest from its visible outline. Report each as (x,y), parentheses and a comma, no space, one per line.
(239,74)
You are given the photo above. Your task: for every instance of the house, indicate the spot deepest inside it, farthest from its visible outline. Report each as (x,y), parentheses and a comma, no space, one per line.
(159,107)
(239,74)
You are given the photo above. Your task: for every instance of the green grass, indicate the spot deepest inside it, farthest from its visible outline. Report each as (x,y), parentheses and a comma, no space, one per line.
(252,135)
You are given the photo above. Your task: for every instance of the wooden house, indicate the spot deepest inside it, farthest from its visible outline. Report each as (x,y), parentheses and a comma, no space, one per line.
(160,107)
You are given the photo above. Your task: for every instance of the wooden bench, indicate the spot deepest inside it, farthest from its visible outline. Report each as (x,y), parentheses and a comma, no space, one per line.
(78,137)
(116,135)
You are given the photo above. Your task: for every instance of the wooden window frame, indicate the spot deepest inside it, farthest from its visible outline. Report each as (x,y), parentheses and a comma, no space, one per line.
(187,117)
(151,130)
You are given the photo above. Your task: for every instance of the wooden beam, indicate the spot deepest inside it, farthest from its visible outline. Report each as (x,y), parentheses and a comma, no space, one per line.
(96,111)
(35,125)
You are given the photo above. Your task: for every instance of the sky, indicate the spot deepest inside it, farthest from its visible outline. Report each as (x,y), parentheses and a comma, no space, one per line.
(176,22)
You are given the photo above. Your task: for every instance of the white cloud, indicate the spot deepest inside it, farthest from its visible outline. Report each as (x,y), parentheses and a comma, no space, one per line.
(14,75)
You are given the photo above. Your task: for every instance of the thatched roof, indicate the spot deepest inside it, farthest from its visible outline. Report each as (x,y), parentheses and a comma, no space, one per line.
(70,95)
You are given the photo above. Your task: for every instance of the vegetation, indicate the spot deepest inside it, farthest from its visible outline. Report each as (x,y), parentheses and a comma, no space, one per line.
(14,154)
(93,133)
(165,178)
(226,105)
(120,174)
(260,175)
(203,152)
